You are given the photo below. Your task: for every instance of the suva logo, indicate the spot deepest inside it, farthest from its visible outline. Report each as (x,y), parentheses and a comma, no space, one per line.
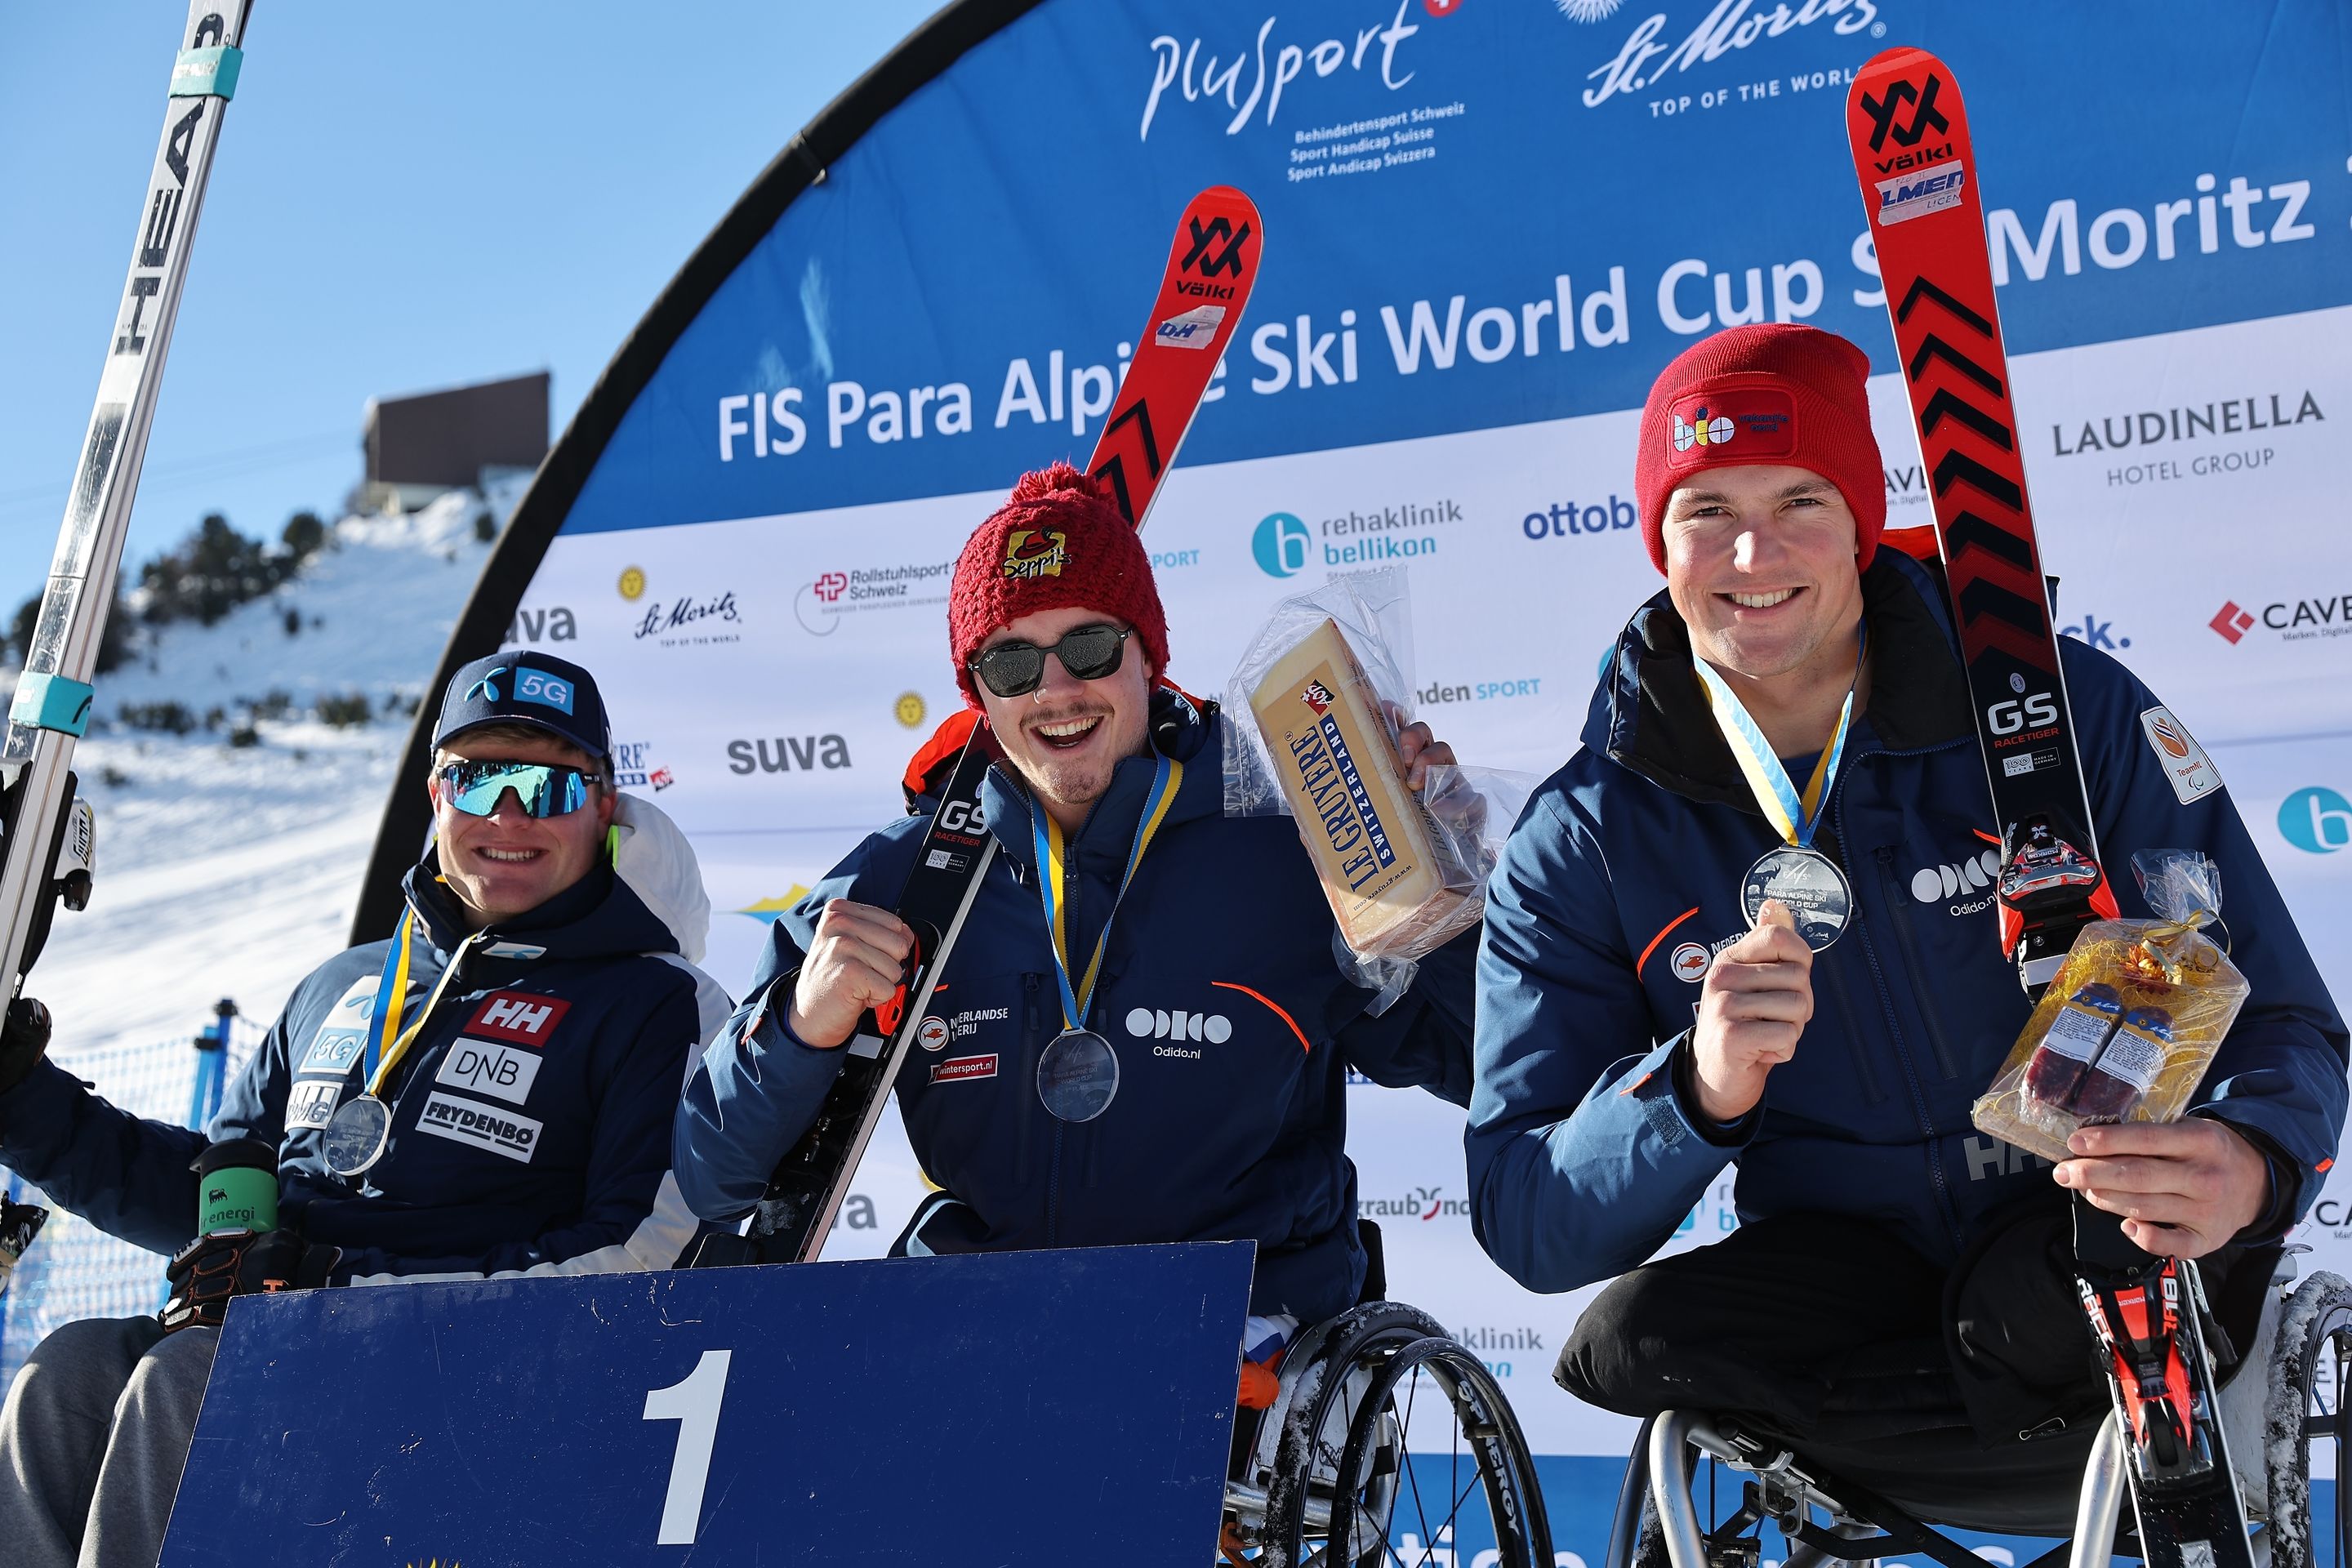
(1280,545)
(2317,820)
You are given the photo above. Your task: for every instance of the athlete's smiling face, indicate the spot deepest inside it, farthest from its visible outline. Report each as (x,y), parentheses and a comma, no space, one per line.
(1759,560)
(510,862)
(1066,736)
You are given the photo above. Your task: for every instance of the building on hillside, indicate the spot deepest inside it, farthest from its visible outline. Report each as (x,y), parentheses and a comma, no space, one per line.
(426,444)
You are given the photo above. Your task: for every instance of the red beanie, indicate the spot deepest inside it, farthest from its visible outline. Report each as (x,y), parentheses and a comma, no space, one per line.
(1057,542)
(1776,394)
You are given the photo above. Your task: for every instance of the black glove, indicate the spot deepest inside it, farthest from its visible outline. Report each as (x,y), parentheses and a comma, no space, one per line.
(23,1041)
(212,1269)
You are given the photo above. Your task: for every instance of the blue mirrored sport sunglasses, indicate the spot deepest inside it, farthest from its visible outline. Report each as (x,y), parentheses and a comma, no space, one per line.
(545,789)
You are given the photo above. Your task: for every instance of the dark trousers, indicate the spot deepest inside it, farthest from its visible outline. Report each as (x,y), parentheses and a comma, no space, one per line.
(1937,1387)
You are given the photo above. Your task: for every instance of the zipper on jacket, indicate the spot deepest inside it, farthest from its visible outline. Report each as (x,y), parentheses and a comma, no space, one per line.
(1024,1092)
(1935,1174)
(1907,943)
(1834,983)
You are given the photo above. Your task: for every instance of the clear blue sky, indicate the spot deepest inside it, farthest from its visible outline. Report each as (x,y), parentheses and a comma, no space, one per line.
(407,196)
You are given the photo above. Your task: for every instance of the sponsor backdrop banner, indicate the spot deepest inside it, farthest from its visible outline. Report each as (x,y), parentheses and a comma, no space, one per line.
(1488,224)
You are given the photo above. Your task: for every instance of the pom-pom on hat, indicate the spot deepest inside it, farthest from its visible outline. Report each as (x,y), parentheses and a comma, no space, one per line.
(1772,395)
(1057,542)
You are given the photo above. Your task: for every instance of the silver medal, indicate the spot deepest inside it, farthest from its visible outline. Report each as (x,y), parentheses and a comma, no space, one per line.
(356,1135)
(1078,1076)
(1810,883)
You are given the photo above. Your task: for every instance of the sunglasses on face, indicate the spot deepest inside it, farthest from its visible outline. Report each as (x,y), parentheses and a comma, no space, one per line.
(1017,669)
(545,789)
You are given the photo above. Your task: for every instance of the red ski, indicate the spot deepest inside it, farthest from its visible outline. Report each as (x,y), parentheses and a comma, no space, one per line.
(1211,267)
(1919,176)
(1921,183)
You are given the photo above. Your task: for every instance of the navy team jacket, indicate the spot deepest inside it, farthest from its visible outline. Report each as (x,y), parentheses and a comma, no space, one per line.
(530,1118)
(1235,1129)
(1624,875)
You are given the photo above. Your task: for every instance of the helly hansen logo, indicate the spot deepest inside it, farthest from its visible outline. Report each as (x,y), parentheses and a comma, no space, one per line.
(1990,1157)
(1924,119)
(1216,231)
(517,1016)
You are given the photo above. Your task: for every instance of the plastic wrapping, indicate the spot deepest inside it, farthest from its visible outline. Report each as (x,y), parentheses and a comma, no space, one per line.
(1318,703)
(2128,1029)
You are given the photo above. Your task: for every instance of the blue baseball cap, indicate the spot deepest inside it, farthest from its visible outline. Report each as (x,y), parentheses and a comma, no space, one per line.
(529,688)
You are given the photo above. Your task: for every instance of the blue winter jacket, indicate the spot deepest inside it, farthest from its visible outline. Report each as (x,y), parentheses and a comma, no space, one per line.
(1220,993)
(530,1118)
(1624,875)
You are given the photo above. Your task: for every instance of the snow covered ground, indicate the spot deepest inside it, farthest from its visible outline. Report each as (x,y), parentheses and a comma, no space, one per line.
(232,871)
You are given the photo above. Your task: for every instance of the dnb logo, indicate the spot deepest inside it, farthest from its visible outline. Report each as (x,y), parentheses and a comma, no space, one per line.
(1280,545)
(1032,553)
(518,1017)
(2317,821)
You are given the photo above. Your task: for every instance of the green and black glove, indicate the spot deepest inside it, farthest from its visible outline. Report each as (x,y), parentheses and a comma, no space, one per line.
(212,1269)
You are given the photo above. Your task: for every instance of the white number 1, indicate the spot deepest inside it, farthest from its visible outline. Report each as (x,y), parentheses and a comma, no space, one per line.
(694,1405)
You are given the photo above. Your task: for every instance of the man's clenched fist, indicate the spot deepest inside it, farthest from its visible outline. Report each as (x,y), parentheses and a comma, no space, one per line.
(854,963)
(1756,1000)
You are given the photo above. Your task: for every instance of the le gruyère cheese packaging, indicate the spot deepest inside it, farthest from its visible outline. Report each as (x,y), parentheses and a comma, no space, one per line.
(1389,884)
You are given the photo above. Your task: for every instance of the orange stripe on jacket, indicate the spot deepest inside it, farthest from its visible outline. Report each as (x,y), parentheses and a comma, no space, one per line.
(1661,937)
(1278,1013)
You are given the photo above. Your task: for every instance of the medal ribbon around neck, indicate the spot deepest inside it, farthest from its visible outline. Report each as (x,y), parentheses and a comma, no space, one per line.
(379,1061)
(1795,816)
(1053,873)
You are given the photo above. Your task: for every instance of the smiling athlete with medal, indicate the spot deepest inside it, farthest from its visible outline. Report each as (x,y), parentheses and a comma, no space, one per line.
(1690,963)
(488,1094)
(1141,1032)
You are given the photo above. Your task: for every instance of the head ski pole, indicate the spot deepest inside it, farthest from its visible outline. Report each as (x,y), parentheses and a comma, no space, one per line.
(52,706)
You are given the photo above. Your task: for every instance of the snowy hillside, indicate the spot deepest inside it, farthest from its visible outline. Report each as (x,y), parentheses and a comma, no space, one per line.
(231,871)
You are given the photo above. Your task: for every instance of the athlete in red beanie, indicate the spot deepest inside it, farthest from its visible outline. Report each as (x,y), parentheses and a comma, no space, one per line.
(1780,394)
(1057,540)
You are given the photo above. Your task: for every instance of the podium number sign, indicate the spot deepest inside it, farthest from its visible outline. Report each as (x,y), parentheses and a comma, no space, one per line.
(694,1405)
(934,1410)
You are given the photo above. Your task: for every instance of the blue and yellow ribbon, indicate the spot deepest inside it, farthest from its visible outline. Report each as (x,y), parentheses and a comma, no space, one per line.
(1796,817)
(1052,881)
(378,1061)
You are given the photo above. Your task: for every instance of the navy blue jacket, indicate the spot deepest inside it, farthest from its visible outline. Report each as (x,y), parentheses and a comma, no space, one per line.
(530,1118)
(1234,1128)
(1623,874)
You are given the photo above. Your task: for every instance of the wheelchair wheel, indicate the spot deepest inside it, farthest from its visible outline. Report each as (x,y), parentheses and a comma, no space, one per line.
(2307,1405)
(1397,1449)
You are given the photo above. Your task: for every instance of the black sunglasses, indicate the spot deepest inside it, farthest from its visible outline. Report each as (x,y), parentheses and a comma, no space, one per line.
(1017,669)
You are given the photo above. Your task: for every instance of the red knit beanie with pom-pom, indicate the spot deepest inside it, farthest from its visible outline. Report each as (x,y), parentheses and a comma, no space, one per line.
(1057,542)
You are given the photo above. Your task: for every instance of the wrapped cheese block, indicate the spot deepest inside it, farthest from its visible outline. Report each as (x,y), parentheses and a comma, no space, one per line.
(1397,889)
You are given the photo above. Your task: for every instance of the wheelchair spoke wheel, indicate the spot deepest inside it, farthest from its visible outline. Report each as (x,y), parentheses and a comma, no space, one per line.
(2307,1406)
(1435,1472)
(1401,1453)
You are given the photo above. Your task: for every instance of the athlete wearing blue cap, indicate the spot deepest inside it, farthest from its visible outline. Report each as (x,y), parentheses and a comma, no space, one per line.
(487,1093)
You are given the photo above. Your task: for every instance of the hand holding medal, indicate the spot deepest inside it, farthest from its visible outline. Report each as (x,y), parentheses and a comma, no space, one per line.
(1753,1008)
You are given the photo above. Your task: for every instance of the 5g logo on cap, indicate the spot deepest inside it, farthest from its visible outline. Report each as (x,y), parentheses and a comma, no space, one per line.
(547,690)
